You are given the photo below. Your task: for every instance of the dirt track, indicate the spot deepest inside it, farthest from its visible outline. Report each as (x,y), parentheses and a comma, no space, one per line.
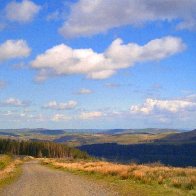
(38,180)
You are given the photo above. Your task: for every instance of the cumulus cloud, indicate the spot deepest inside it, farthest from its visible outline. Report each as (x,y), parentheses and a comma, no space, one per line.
(84,91)
(21,116)
(89,17)
(23,11)
(64,60)
(13,102)
(60,117)
(61,106)
(152,106)
(11,49)
(90,115)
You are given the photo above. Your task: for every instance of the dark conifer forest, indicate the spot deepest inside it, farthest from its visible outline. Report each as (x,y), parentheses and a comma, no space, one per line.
(180,155)
(39,149)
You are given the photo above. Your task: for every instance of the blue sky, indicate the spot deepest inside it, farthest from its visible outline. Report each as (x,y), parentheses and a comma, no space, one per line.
(97,64)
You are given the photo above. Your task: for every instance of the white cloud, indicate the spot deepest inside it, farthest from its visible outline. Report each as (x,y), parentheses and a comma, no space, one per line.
(64,60)
(83,91)
(61,106)
(90,115)
(191,97)
(152,106)
(11,49)
(54,16)
(60,117)
(89,17)
(13,102)
(23,11)
(21,116)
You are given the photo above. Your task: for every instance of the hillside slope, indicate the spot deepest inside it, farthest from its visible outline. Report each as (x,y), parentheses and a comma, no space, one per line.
(183,137)
(170,154)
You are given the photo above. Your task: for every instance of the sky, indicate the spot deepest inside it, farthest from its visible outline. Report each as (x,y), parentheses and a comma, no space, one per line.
(98,64)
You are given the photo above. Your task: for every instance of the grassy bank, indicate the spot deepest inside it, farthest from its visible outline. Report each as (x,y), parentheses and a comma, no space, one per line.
(9,169)
(134,179)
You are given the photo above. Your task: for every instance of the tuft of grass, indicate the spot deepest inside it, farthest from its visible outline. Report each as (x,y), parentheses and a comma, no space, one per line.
(5,160)
(180,181)
(183,182)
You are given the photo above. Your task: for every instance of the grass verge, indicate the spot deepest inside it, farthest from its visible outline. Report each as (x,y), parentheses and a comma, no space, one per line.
(11,177)
(10,169)
(140,180)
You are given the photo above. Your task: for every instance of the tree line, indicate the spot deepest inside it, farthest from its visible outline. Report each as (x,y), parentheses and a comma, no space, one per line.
(40,149)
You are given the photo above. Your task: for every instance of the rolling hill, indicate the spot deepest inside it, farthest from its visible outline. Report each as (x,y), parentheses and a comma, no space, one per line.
(183,137)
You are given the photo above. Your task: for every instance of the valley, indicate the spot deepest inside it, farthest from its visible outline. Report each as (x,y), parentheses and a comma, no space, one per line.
(115,162)
(168,146)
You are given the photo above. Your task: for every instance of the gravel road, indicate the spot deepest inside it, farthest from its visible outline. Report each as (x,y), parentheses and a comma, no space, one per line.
(38,180)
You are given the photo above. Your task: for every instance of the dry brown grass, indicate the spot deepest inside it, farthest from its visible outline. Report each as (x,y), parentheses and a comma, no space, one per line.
(9,168)
(183,178)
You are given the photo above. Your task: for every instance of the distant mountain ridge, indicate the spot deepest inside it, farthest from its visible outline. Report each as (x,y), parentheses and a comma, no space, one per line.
(101,131)
(140,131)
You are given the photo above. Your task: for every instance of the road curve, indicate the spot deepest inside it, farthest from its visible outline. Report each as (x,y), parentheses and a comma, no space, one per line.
(38,180)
